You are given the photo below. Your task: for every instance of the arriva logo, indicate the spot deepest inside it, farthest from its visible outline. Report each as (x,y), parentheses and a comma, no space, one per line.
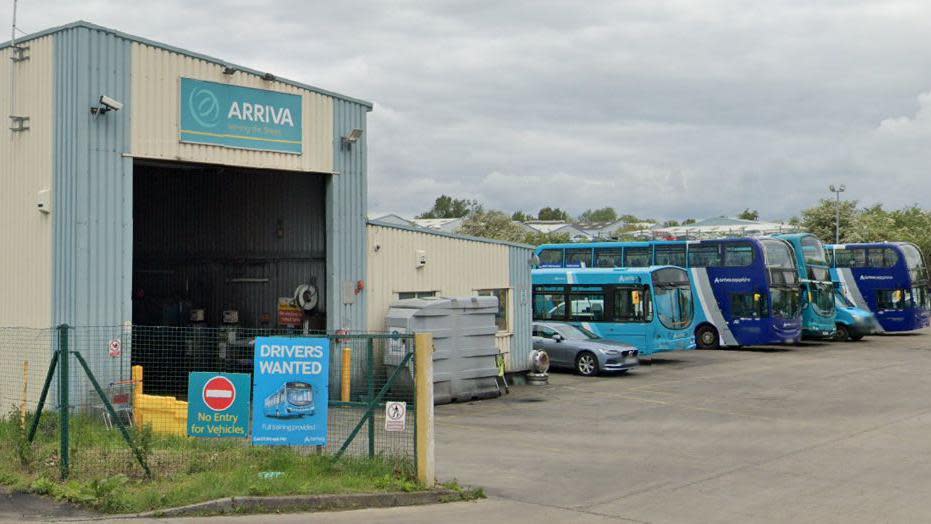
(731,280)
(875,277)
(204,107)
(261,113)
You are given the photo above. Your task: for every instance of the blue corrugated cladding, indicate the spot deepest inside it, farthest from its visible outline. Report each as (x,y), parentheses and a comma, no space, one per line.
(521,345)
(92,191)
(346,201)
(92,184)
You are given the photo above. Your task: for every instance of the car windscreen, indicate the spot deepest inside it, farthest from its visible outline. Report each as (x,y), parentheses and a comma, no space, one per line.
(575,332)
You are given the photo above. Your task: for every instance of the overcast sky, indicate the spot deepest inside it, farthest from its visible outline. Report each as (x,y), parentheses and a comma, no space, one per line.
(660,109)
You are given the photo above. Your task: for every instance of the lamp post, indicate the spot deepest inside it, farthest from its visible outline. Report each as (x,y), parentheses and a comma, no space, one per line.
(837,191)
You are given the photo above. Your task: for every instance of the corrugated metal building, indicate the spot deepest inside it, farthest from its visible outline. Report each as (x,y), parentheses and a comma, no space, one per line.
(409,262)
(141,211)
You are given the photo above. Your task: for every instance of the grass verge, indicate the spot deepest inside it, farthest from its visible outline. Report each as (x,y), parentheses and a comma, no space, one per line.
(104,475)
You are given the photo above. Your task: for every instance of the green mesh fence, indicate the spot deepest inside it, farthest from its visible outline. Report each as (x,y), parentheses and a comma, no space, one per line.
(153,410)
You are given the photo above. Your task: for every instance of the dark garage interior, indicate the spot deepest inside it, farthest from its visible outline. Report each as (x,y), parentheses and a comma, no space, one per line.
(216,249)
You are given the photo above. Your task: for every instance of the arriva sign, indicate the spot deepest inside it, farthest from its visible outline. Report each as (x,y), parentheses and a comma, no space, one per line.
(240,117)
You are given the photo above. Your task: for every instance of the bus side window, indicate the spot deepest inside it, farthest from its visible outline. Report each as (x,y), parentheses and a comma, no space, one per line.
(549,303)
(551,258)
(738,255)
(852,257)
(637,256)
(704,256)
(608,257)
(587,304)
(670,256)
(578,258)
(890,257)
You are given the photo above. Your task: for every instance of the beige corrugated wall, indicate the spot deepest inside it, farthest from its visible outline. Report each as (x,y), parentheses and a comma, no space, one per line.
(155,114)
(455,267)
(25,233)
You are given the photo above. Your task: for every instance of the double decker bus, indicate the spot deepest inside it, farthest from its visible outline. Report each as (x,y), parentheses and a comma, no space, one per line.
(746,289)
(888,278)
(650,308)
(819,318)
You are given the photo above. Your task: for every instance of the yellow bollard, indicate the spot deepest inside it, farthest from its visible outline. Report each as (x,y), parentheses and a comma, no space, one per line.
(423,382)
(347,373)
(137,396)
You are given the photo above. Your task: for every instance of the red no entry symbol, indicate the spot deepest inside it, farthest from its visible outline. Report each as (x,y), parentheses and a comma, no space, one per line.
(219,393)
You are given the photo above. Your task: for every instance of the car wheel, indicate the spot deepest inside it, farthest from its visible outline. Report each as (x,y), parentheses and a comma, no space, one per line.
(855,338)
(706,337)
(842,334)
(586,364)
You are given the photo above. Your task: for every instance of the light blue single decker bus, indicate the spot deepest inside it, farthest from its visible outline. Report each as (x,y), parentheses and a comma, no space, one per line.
(818,308)
(650,308)
(290,400)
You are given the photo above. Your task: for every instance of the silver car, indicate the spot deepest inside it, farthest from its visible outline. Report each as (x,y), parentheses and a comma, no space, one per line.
(579,349)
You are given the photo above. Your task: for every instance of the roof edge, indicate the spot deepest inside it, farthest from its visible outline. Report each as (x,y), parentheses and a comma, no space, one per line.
(153,43)
(449,235)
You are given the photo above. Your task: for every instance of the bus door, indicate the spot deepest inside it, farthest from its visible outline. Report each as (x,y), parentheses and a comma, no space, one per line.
(742,304)
(631,316)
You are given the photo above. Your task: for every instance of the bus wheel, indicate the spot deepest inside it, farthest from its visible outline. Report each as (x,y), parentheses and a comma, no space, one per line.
(706,337)
(842,334)
(586,364)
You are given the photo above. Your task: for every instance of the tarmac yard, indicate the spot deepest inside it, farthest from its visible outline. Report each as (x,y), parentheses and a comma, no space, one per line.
(825,432)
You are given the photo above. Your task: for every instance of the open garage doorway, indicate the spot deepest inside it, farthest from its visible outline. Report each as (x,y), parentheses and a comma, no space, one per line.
(220,249)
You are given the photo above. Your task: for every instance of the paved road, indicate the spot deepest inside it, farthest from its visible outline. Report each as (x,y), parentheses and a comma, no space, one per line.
(819,433)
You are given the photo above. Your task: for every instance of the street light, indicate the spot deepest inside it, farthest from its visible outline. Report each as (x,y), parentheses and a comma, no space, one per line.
(837,191)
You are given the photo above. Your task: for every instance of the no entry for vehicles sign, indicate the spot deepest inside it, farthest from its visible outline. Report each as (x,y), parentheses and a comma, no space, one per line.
(218,404)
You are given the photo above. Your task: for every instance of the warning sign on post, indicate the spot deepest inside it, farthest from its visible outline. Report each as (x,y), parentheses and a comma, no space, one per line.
(395,416)
(218,404)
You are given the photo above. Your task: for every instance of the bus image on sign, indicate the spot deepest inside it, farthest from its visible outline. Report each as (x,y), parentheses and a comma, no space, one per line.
(888,278)
(818,311)
(648,308)
(746,289)
(292,399)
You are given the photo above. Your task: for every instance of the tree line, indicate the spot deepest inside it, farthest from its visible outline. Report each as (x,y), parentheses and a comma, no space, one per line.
(857,224)
(868,224)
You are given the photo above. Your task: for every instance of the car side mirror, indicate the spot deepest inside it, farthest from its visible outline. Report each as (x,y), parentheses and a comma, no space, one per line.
(558,338)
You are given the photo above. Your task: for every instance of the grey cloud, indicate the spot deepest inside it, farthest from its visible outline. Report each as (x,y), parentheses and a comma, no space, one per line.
(659,108)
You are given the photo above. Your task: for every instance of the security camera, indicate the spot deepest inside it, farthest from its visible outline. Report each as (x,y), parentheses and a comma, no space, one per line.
(110,104)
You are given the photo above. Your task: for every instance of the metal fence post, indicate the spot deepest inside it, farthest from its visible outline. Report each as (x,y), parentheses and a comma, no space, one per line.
(423,397)
(370,357)
(64,407)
